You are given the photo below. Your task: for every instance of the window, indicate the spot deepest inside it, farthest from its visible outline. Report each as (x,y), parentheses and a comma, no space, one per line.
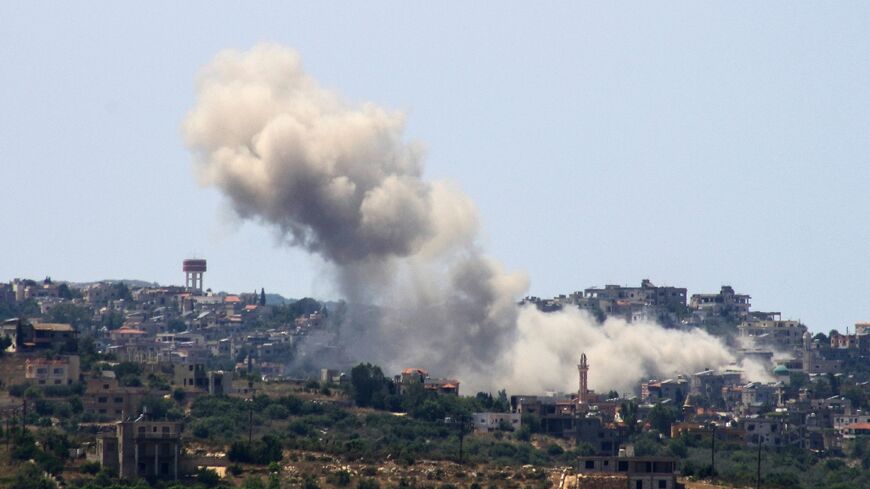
(102,400)
(119,399)
(638,484)
(590,464)
(663,484)
(622,466)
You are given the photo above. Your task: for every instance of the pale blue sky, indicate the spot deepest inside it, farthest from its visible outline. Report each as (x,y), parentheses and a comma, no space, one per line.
(692,143)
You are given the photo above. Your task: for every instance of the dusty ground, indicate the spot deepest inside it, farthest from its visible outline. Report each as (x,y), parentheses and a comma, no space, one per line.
(325,468)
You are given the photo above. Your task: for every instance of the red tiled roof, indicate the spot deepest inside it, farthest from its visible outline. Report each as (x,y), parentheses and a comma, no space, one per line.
(127,330)
(409,371)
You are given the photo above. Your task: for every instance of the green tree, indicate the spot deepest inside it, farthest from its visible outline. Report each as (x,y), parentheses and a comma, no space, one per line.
(120,291)
(29,476)
(208,477)
(253,482)
(78,316)
(661,418)
(368,385)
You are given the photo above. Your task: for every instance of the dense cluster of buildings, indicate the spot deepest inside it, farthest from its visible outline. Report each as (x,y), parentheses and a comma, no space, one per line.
(209,343)
(763,408)
(204,343)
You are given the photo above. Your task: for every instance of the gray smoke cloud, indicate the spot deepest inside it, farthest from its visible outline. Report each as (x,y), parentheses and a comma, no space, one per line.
(339,180)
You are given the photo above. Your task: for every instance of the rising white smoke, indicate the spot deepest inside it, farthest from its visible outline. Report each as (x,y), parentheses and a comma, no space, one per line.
(340,180)
(619,353)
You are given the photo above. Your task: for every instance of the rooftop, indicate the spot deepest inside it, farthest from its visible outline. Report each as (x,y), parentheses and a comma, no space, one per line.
(59,327)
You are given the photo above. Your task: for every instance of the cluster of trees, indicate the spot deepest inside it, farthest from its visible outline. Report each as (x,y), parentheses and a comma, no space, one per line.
(287,313)
(47,448)
(324,427)
(264,451)
(368,387)
(16,310)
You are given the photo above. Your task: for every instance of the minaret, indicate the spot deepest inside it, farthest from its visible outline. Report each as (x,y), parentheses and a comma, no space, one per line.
(583,368)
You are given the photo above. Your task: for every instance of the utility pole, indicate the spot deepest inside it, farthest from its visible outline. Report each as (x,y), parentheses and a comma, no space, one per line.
(251,424)
(713,452)
(461,435)
(461,423)
(758,468)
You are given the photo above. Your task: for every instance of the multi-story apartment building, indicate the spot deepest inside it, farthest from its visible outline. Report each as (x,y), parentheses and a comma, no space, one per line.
(62,370)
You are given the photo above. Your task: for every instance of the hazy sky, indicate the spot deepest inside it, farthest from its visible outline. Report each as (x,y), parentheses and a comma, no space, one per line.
(692,143)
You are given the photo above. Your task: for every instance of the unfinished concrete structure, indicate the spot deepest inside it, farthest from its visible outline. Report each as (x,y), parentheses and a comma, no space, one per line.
(638,472)
(786,335)
(142,448)
(726,301)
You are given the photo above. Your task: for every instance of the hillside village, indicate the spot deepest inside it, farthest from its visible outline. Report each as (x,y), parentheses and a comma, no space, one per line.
(117,384)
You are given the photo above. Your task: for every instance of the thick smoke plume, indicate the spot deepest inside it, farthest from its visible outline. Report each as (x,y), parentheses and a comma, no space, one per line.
(619,353)
(340,180)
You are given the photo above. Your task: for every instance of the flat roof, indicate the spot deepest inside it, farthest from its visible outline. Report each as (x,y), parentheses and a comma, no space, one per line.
(61,327)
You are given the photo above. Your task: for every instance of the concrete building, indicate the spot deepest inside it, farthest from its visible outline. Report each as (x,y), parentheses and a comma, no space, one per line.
(104,397)
(647,302)
(220,383)
(647,293)
(142,448)
(410,376)
(856,430)
(709,383)
(783,334)
(655,391)
(814,360)
(592,431)
(769,431)
(489,422)
(191,376)
(62,370)
(726,301)
(639,472)
(43,335)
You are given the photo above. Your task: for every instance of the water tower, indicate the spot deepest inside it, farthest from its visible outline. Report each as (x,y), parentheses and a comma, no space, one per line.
(193,270)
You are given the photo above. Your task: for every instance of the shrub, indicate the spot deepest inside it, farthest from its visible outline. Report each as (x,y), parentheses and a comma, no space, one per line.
(17,390)
(90,468)
(554,450)
(340,478)
(276,411)
(309,482)
(368,484)
(208,477)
